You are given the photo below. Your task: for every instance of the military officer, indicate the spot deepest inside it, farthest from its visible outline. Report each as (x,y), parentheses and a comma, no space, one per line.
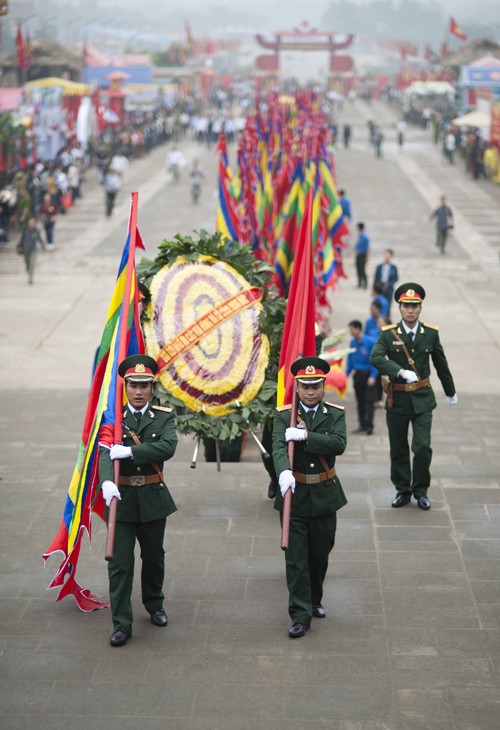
(320,436)
(149,439)
(402,352)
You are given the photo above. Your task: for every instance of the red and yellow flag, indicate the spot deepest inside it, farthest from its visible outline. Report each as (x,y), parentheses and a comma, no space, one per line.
(456,30)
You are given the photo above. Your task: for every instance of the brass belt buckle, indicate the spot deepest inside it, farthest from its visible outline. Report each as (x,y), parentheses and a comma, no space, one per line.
(137,481)
(411,386)
(313,478)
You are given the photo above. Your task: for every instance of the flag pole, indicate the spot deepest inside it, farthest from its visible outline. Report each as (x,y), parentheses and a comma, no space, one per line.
(287,499)
(122,351)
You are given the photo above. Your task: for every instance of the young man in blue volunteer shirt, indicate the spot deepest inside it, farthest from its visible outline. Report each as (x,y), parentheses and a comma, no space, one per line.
(361,250)
(365,376)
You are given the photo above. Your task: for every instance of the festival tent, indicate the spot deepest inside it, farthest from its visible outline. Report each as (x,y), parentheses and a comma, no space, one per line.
(69,88)
(423,89)
(473,119)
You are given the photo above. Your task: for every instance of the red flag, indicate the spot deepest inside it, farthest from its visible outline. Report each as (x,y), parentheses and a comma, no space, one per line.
(457,31)
(298,335)
(21,49)
(298,331)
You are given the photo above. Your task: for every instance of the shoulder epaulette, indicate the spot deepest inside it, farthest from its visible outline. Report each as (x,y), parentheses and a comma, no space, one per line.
(284,408)
(166,409)
(431,326)
(333,405)
(388,327)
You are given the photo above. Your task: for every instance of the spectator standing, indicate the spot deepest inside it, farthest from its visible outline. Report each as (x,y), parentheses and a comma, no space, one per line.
(444,222)
(386,274)
(378,138)
(364,376)
(112,186)
(48,214)
(347,135)
(362,249)
(400,131)
(28,245)
(345,204)
(449,146)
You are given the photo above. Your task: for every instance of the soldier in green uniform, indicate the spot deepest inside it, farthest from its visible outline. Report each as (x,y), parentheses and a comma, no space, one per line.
(320,436)
(149,439)
(402,352)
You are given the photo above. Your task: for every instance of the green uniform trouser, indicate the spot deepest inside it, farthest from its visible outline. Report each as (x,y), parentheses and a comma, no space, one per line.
(121,569)
(401,472)
(311,540)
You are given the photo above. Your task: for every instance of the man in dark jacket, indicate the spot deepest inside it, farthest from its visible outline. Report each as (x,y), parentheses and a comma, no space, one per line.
(149,439)
(319,436)
(403,352)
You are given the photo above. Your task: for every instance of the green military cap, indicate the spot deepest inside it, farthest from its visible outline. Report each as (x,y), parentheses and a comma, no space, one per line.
(410,292)
(309,370)
(138,368)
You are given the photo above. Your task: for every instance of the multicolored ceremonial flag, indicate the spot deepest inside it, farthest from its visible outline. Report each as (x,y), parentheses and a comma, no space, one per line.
(292,216)
(228,219)
(456,30)
(298,332)
(122,336)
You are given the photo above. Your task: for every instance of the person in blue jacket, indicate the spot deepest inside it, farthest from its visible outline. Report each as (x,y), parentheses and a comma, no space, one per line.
(364,376)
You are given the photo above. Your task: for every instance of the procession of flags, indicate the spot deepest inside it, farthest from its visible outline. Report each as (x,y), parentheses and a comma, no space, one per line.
(122,336)
(282,155)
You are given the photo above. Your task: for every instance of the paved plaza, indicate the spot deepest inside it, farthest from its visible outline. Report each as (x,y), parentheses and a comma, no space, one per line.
(412,635)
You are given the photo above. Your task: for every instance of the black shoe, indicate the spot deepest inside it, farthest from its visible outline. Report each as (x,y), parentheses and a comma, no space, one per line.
(297,630)
(424,503)
(358,430)
(272,490)
(120,638)
(369,431)
(319,611)
(159,618)
(401,499)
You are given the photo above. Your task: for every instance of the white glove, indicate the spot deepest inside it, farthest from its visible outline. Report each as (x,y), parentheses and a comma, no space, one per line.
(408,375)
(110,490)
(295,434)
(453,399)
(286,481)
(118,451)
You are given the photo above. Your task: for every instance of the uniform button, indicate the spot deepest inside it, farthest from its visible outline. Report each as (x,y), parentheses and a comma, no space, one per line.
(153,434)
(311,466)
(138,468)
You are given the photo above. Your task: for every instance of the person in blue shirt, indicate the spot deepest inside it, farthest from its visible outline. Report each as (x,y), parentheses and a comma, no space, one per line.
(361,249)
(378,296)
(364,376)
(372,324)
(345,204)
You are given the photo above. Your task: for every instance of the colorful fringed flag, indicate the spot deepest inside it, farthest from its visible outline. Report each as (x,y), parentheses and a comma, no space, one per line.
(292,215)
(122,336)
(228,219)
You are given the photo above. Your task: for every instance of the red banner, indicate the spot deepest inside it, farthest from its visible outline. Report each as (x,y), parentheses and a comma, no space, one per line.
(495,124)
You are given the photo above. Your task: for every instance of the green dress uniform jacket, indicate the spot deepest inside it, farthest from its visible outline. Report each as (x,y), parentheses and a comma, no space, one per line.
(326,436)
(158,436)
(313,519)
(141,512)
(414,406)
(389,358)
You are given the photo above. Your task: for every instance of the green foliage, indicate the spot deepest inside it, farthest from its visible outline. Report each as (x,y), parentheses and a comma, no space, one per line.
(10,133)
(257,273)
